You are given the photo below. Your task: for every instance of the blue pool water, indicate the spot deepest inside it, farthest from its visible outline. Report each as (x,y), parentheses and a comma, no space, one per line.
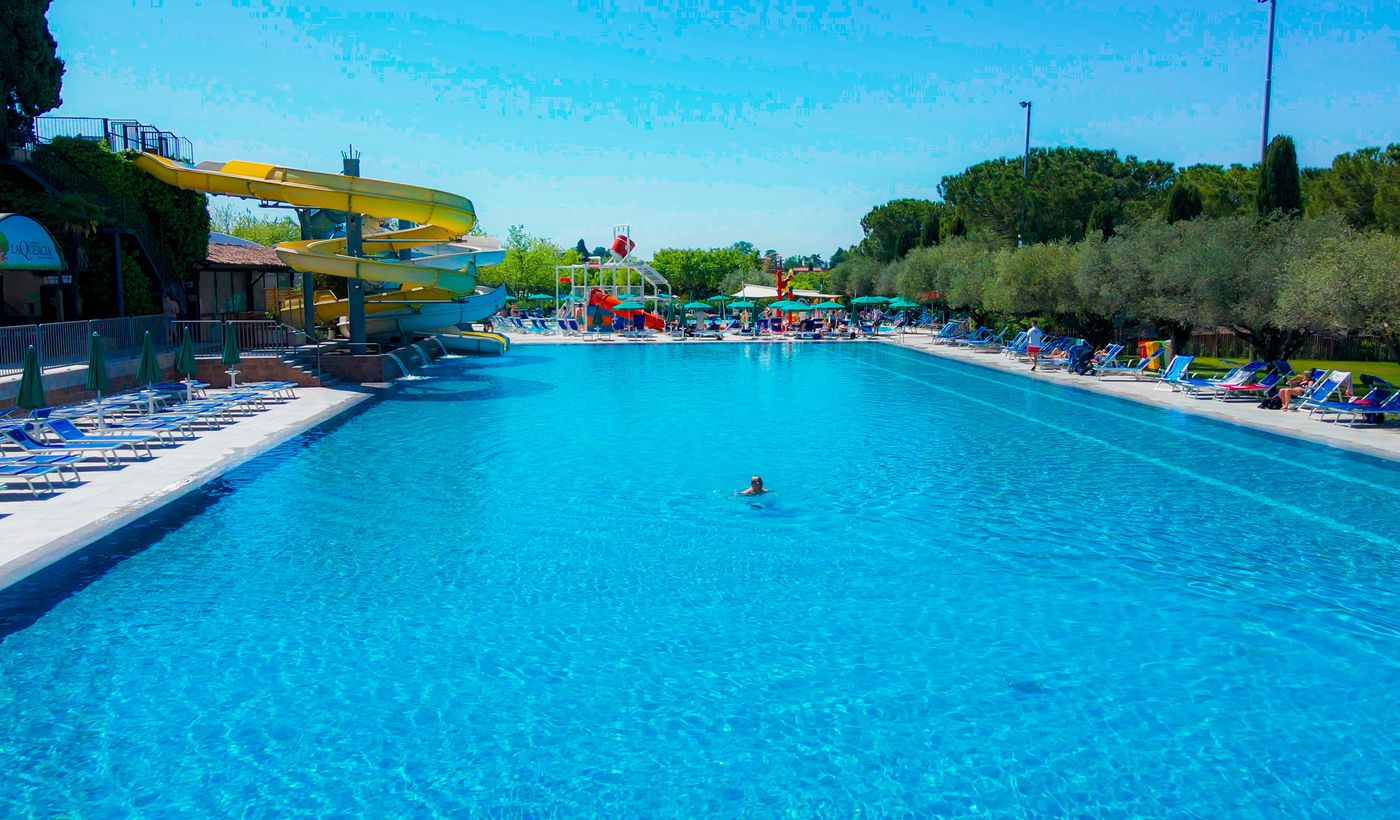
(522,587)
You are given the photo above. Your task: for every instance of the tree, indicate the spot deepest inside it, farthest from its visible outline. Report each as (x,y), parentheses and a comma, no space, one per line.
(1354,186)
(1100,222)
(1346,283)
(76,216)
(234,221)
(1184,203)
(838,256)
(701,273)
(1224,191)
(529,262)
(899,226)
(31,74)
(1065,185)
(1280,187)
(959,227)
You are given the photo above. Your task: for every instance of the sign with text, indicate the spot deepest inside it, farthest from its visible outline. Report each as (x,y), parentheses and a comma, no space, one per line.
(25,245)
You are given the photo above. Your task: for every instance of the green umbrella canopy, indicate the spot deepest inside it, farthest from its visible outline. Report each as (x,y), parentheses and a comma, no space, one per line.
(720,297)
(572,297)
(828,306)
(901,302)
(742,306)
(798,307)
(230,356)
(534,297)
(869,300)
(148,369)
(184,359)
(629,306)
(698,306)
(96,378)
(512,299)
(31,383)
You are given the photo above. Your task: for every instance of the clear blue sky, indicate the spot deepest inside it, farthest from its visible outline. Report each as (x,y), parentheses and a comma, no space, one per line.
(702,123)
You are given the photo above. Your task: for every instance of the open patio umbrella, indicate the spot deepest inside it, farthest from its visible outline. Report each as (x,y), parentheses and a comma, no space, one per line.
(231,357)
(828,306)
(901,302)
(869,300)
(698,306)
(96,378)
(148,369)
(745,305)
(185,363)
(629,305)
(536,297)
(31,383)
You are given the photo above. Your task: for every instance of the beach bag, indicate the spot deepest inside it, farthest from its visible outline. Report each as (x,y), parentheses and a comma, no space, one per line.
(1271,403)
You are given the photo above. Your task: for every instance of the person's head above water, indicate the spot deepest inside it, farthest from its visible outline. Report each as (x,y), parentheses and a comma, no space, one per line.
(756,482)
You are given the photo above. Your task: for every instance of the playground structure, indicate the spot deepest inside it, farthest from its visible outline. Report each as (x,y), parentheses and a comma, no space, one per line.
(431,261)
(602,284)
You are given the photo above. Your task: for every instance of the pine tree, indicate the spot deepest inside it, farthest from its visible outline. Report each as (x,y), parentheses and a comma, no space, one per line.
(1185,203)
(1280,185)
(959,227)
(1100,222)
(31,73)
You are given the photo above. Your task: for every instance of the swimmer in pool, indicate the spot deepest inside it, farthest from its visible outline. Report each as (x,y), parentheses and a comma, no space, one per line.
(755,487)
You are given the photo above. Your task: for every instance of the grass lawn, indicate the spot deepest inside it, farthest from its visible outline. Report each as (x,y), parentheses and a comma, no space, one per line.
(1390,371)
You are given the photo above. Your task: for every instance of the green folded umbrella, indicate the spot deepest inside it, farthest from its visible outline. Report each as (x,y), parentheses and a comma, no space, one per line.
(148,369)
(31,383)
(629,306)
(184,358)
(231,356)
(97,378)
(184,361)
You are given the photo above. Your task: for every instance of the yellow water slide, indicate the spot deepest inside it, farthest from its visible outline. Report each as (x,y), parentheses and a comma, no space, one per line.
(441,217)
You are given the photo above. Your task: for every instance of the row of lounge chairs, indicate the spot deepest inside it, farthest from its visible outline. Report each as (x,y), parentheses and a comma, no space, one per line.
(53,442)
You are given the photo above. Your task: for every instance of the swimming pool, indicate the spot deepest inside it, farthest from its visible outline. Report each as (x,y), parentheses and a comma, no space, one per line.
(530,591)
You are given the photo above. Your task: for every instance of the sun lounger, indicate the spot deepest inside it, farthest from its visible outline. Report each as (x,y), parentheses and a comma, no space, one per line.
(1206,388)
(106,451)
(59,462)
(28,473)
(68,433)
(1137,371)
(1272,379)
(1370,405)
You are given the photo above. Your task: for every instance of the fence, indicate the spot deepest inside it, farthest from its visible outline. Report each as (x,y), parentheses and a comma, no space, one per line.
(65,344)
(121,135)
(1315,346)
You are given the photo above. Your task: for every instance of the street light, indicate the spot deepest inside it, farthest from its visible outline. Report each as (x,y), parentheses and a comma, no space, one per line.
(1025,173)
(1268,80)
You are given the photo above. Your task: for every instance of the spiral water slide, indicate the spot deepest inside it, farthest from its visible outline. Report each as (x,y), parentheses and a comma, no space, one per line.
(442,218)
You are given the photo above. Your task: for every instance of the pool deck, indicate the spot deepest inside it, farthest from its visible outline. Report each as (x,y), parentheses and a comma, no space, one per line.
(37,532)
(1382,442)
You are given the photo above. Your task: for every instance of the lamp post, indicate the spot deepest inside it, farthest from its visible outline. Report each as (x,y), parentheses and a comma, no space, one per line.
(1268,79)
(1025,174)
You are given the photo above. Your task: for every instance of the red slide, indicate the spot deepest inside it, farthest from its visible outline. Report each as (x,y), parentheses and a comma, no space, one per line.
(598,300)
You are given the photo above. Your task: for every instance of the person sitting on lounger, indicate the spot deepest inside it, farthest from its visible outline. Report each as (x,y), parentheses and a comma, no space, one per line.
(1295,387)
(755,487)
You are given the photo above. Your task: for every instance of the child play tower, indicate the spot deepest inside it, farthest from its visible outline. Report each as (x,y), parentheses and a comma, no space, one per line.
(621,278)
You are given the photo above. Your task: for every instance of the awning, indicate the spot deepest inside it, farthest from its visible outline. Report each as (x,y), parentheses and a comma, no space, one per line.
(765,292)
(25,245)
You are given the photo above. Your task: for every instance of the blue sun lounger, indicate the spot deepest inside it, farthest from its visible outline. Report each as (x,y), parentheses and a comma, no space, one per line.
(1322,390)
(28,473)
(59,462)
(1374,405)
(1137,371)
(1205,388)
(68,433)
(106,451)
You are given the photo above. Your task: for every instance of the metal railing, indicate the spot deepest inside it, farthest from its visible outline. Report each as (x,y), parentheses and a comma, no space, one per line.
(121,135)
(64,344)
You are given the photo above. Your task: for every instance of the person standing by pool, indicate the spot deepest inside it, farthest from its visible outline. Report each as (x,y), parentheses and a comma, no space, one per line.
(1033,337)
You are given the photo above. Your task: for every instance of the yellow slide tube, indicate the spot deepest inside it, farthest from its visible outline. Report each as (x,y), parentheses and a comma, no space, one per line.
(442,217)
